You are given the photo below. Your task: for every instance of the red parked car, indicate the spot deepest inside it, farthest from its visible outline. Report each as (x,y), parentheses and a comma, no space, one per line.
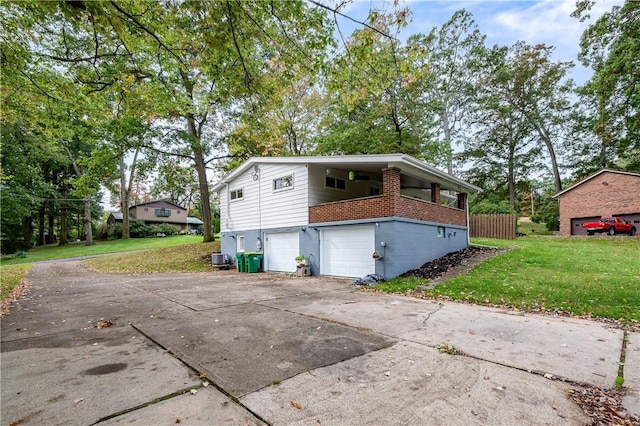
(610,225)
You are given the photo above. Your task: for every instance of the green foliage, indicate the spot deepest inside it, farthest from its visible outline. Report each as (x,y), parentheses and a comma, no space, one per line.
(611,47)
(490,207)
(533,276)
(51,252)
(137,229)
(164,228)
(10,277)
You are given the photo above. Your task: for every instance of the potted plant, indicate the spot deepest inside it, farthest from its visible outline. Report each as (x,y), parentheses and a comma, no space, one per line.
(302,260)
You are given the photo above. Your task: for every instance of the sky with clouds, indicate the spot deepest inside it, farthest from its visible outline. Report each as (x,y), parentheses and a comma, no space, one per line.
(502,21)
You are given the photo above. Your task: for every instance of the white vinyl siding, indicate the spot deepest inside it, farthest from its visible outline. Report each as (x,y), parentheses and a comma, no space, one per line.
(262,207)
(288,207)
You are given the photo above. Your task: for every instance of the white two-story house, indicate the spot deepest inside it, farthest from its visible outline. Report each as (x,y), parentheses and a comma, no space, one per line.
(351,215)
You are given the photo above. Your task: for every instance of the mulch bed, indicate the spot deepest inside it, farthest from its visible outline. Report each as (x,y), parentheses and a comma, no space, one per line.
(438,267)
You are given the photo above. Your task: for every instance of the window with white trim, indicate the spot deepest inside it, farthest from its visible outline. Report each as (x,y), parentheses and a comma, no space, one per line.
(285,182)
(335,183)
(236,194)
(240,243)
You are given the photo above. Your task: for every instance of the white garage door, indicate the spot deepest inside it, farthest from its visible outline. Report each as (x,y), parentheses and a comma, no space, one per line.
(280,251)
(347,252)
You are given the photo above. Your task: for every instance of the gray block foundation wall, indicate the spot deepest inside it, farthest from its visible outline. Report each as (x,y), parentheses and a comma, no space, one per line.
(408,243)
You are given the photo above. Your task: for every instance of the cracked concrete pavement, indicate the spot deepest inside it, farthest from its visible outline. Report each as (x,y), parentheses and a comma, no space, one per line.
(280,350)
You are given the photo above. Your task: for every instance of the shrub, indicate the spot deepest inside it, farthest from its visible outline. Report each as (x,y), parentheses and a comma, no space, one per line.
(137,229)
(164,228)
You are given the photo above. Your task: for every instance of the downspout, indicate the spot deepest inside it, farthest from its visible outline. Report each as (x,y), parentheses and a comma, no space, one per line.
(468,225)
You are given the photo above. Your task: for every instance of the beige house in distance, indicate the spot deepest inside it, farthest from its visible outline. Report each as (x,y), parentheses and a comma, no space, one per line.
(157,212)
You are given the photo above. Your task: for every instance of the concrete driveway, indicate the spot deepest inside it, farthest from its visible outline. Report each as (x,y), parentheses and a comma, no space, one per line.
(227,348)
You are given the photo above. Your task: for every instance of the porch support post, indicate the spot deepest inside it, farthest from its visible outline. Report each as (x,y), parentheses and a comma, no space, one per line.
(435,193)
(391,189)
(462,201)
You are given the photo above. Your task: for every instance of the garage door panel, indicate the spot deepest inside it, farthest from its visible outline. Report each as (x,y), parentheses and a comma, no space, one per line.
(576,224)
(347,252)
(280,251)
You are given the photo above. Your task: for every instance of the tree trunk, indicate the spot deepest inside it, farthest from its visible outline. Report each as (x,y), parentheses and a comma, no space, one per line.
(87,222)
(444,119)
(544,135)
(28,230)
(62,241)
(41,218)
(124,201)
(51,238)
(204,190)
(201,166)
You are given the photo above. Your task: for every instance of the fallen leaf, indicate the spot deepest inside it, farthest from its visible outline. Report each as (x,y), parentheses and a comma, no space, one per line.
(203,375)
(296,405)
(104,324)
(178,420)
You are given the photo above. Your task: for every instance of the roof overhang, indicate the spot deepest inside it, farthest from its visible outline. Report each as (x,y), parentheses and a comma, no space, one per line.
(593,176)
(409,166)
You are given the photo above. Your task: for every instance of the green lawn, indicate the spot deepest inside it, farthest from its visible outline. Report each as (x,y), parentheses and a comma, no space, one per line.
(596,276)
(185,258)
(11,276)
(53,251)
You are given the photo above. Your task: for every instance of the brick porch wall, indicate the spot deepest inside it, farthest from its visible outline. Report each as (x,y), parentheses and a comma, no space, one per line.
(390,203)
(604,195)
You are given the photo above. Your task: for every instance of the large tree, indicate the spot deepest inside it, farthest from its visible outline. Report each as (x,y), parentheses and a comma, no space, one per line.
(611,47)
(188,62)
(452,54)
(502,150)
(372,92)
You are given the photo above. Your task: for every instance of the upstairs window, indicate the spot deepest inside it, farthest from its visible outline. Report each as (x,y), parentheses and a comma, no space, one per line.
(236,194)
(335,183)
(283,183)
(374,190)
(162,212)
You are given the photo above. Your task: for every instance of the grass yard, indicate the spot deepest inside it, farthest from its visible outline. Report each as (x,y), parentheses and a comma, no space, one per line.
(53,251)
(597,276)
(10,277)
(185,258)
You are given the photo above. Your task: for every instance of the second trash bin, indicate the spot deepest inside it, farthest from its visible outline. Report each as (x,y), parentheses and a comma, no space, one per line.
(253,261)
(242,265)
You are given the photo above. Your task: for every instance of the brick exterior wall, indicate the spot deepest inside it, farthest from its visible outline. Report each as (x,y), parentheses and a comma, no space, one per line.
(604,195)
(390,203)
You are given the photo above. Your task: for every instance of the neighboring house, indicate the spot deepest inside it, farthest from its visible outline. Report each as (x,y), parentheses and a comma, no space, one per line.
(157,212)
(351,215)
(608,193)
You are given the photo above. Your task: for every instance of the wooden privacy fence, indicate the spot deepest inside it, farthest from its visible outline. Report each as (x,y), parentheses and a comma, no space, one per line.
(502,226)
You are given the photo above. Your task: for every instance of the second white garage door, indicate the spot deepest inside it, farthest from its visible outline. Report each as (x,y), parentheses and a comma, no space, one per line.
(280,251)
(347,252)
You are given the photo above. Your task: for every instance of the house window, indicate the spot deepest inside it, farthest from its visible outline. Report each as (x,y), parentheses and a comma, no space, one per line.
(283,183)
(374,190)
(335,183)
(236,194)
(162,212)
(240,243)
(440,231)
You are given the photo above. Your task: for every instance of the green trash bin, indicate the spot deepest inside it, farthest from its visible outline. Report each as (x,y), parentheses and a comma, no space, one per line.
(253,261)
(241,265)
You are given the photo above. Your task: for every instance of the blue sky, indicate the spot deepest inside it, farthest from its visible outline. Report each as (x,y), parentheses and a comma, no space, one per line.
(503,21)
